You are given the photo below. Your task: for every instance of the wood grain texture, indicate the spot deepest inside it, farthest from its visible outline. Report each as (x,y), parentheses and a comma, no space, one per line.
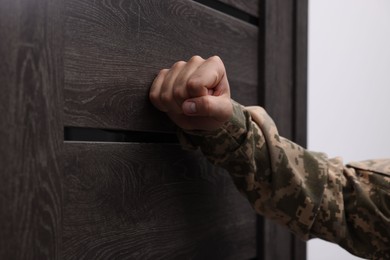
(277,76)
(30,129)
(114,49)
(150,201)
(248,6)
(301,49)
(283,84)
(300,95)
(277,55)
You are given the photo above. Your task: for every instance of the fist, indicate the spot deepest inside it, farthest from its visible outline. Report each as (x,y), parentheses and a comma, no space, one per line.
(194,94)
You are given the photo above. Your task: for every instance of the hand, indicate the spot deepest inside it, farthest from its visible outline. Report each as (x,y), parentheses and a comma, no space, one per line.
(194,94)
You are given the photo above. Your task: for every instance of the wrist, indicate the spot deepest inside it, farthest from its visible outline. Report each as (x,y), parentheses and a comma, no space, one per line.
(231,132)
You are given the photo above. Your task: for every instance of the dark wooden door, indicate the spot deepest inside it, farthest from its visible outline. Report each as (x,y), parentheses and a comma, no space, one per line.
(90,170)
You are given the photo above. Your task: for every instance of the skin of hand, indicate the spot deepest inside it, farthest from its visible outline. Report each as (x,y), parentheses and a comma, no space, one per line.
(194,94)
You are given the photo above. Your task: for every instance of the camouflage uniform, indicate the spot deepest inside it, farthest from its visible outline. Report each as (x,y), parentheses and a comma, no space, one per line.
(312,195)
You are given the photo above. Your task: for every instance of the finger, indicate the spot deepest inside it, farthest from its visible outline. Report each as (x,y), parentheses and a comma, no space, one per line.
(219,108)
(166,96)
(155,89)
(180,91)
(207,76)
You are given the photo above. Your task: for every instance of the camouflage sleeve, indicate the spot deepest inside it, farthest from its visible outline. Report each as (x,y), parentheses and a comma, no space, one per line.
(312,195)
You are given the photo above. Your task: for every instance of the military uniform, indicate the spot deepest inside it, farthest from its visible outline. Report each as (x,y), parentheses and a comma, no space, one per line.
(314,196)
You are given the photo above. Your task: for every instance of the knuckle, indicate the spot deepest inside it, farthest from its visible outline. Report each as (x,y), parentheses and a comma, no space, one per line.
(215,76)
(196,58)
(192,84)
(162,72)
(180,81)
(216,58)
(220,67)
(165,98)
(178,64)
(153,96)
(218,61)
(177,93)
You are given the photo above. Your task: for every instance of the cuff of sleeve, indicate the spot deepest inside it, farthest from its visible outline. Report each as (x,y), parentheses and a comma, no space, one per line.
(219,142)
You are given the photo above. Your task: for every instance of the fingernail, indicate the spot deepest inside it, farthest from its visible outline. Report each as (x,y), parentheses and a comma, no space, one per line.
(189,107)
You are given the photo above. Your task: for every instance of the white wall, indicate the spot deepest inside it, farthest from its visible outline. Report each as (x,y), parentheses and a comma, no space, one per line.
(349,87)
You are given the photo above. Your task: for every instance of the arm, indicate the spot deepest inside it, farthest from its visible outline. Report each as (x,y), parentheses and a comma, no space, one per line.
(312,195)
(305,191)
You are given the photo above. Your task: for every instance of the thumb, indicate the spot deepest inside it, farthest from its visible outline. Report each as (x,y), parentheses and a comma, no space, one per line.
(219,108)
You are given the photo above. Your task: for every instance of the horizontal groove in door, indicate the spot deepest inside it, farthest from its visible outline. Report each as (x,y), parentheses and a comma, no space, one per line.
(236,9)
(251,7)
(104,135)
(114,49)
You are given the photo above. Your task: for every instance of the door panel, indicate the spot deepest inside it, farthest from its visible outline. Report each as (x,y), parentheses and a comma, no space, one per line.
(85,67)
(138,200)
(114,49)
(151,201)
(31,129)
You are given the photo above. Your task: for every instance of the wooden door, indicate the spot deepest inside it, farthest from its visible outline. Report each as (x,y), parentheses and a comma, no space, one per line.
(90,170)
